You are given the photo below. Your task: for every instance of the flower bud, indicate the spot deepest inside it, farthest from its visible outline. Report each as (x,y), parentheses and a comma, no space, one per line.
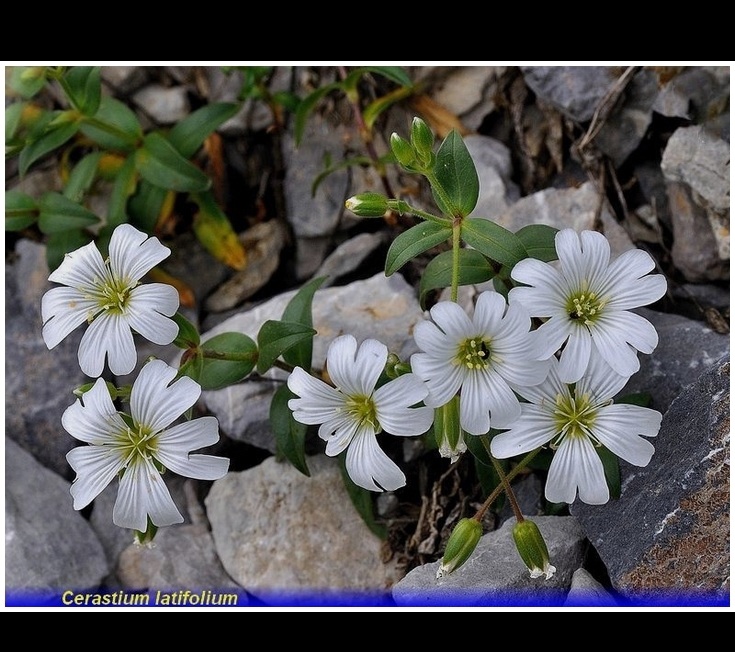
(532,549)
(422,140)
(403,151)
(461,545)
(448,432)
(367,204)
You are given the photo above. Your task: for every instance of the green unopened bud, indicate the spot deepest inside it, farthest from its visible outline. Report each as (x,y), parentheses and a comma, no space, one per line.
(461,545)
(367,204)
(403,151)
(422,140)
(146,538)
(448,432)
(532,549)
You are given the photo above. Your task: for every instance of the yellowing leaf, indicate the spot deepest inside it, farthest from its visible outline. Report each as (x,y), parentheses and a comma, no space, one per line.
(214,230)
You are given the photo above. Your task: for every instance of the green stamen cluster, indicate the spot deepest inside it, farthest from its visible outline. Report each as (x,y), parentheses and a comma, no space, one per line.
(362,410)
(138,442)
(474,353)
(585,307)
(574,417)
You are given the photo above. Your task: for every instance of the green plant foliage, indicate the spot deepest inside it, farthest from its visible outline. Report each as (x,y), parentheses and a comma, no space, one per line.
(455,173)
(83,85)
(298,311)
(275,338)
(115,128)
(57,128)
(159,163)
(188,135)
(362,501)
(538,241)
(216,372)
(493,240)
(290,434)
(473,268)
(58,213)
(415,241)
(20,210)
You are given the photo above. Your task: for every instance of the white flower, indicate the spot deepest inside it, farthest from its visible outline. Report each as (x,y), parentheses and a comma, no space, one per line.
(587,299)
(140,445)
(482,358)
(573,420)
(353,412)
(107,295)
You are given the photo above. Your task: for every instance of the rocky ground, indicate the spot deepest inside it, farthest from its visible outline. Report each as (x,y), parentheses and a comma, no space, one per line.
(640,154)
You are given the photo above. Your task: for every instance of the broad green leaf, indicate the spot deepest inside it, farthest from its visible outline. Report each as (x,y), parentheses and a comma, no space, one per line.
(146,204)
(538,240)
(123,188)
(188,135)
(214,230)
(290,434)
(191,366)
(491,239)
(27,80)
(217,372)
(415,241)
(59,244)
(20,210)
(115,126)
(362,501)
(54,136)
(13,115)
(306,106)
(84,86)
(611,464)
(298,311)
(58,213)
(82,177)
(188,336)
(455,172)
(159,163)
(473,268)
(277,337)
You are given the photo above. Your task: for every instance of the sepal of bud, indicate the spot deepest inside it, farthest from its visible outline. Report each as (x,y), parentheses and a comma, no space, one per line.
(367,204)
(146,538)
(462,543)
(532,549)
(403,151)
(447,431)
(422,140)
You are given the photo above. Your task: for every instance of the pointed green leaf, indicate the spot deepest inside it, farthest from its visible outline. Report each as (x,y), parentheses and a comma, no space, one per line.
(415,241)
(538,240)
(84,86)
(290,434)
(159,163)
(27,81)
(13,115)
(122,190)
(276,338)
(473,268)
(54,136)
(455,172)
(82,177)
(377,107)
(123,131)
(146,204)
(188,336)
(218,373)
(20,210)
(496,242)
(298,311)
(58,213)
(59,244)
(306,106)
(188,135)
(362,501)
(611,464)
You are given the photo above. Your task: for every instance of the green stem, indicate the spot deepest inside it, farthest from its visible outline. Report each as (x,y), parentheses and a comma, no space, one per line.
(456,230)
(439,190)
(232,357)
(111,129)
(403,207)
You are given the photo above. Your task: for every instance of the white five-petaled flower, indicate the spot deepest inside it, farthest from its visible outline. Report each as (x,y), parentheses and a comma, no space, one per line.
(482,358)
(352,413)
(107,294)
(587,299)
(140,445)
(574,420)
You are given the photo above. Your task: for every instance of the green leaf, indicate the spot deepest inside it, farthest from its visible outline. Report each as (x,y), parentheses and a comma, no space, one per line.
(415,241)
(473,268)
(123,188)
(611,464)
(54,136)
(84,86)
(58,244)
(340,165)
(115,127)
(159,163)
(27,80)
(394,73)
(642,399)
(377,107)
(82,177)
(491,239)
(20,210)
(214,230)
(188,336)
(298,311)
(455,172)
(146,204)
(290,434)
(362,501)
(58,213)
(307,105)
(277,337)
(538,240)
(13,115)
(188,135)
(218,373)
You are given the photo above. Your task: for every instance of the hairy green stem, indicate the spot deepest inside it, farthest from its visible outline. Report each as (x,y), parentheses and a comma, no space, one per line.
(456,230)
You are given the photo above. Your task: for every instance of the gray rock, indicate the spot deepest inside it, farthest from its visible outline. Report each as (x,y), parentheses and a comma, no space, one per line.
(166,105)
(492,161)
(124,79)
(384,308)
(586,591)
(574,90)
(695,93)
(667,539)
(495,575)
(292,539)
(49,547)
(348,256)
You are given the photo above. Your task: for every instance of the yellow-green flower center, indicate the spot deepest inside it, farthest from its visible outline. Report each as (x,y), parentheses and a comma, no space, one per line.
(362,409)
(585,307)
(574,417)
(113,295)
(137,443)
(474,353)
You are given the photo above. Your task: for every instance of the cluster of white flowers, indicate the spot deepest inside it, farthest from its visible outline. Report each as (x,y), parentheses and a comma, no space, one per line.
(566,371)
(136,447)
